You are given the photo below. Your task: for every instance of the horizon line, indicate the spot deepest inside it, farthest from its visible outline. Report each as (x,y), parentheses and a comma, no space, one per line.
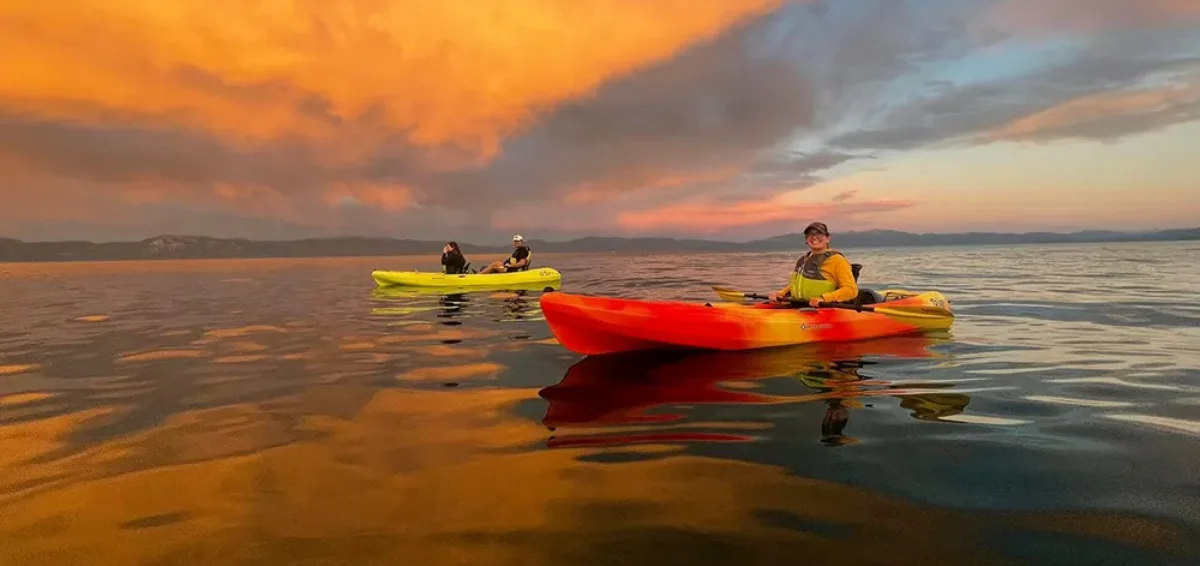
(614,237)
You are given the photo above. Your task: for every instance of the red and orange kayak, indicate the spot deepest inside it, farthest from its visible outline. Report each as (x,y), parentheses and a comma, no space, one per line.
(602,325)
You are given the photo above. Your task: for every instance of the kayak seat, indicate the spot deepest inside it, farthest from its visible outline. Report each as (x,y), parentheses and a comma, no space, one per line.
(855,268)
(867,296)
(528,264)
(466,268)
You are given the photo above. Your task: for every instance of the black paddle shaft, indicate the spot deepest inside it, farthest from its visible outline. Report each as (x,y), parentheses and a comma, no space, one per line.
(859,308)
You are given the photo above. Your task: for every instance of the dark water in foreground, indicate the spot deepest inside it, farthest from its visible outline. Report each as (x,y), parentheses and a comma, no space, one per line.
(285,412)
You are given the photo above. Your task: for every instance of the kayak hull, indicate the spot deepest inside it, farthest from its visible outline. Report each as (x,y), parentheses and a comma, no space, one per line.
(601,325)
(524,279)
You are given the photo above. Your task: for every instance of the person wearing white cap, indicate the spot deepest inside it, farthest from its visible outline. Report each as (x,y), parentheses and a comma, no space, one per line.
(518,261)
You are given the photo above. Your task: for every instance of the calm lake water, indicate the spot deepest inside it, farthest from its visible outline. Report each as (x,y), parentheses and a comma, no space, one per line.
(286,412)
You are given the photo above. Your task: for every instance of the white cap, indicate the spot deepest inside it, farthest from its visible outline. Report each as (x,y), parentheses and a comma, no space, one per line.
(518,238)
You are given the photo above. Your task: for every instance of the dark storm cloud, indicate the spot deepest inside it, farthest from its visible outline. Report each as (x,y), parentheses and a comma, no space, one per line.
(718,105)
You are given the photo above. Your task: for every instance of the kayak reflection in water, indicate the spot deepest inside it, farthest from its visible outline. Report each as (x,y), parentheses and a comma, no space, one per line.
(451,308)
(453,261)
(822,274)
(518,261)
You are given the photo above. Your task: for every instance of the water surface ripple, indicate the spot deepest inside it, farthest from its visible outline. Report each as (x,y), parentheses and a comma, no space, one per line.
(287,412)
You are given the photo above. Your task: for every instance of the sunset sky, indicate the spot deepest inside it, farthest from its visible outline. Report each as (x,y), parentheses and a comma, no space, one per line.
(474,119)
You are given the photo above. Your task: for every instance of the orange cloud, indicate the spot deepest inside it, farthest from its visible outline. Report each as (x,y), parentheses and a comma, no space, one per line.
(387,198)
(1078,114)
(710,217)
(253,199)
(455,74)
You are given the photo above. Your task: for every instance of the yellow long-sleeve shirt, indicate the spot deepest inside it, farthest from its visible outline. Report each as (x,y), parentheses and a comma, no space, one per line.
(836,269)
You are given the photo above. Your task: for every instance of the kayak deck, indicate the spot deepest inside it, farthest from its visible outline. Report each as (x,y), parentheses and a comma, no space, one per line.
(600,325)
(541,275)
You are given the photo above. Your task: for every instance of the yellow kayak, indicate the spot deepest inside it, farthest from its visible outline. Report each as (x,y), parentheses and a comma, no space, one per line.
(542,275)
(411,292)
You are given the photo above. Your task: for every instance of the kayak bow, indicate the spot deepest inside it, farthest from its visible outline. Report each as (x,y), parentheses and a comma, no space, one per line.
(601,325)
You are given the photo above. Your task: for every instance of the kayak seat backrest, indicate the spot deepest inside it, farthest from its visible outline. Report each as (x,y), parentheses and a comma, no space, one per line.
(855,268)
(528,264)
(867,297)
(466,268)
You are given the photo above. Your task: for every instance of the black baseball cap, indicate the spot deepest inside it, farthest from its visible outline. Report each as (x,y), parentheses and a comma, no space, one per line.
(817,227)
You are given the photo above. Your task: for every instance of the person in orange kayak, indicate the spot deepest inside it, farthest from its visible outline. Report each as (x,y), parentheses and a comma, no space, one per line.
(821,275)
(518,261)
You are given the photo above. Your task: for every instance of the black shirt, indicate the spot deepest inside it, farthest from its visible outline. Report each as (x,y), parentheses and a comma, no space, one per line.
(454,261)
(518,255)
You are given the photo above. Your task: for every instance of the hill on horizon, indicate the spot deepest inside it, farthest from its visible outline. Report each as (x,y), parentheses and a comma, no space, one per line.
(205,247)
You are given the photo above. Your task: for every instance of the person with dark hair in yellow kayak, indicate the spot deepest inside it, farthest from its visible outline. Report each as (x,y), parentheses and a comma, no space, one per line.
(821,275)
(518,261)
(453,262)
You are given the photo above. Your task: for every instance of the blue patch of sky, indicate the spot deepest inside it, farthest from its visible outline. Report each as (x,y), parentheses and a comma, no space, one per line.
(1000,62)
(813,33)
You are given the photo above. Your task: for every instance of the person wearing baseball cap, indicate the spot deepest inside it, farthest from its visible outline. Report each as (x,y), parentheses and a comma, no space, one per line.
(518,261)
(821,275)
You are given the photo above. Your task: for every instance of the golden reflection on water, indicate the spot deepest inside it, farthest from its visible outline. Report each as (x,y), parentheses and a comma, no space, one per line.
(436,477)
(12,369)
(23,398)
(93,318)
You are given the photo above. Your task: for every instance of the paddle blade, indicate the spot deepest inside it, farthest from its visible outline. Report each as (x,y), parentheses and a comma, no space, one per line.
(729,294)
(915,311)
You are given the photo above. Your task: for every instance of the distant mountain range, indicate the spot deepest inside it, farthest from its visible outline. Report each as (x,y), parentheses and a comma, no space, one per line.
(198,247)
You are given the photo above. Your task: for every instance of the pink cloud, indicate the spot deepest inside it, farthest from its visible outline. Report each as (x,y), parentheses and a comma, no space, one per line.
(845,195)
(621,182)
(383,197)
(708,217)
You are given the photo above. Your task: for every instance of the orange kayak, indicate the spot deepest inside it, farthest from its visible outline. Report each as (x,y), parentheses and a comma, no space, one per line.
(601,325)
